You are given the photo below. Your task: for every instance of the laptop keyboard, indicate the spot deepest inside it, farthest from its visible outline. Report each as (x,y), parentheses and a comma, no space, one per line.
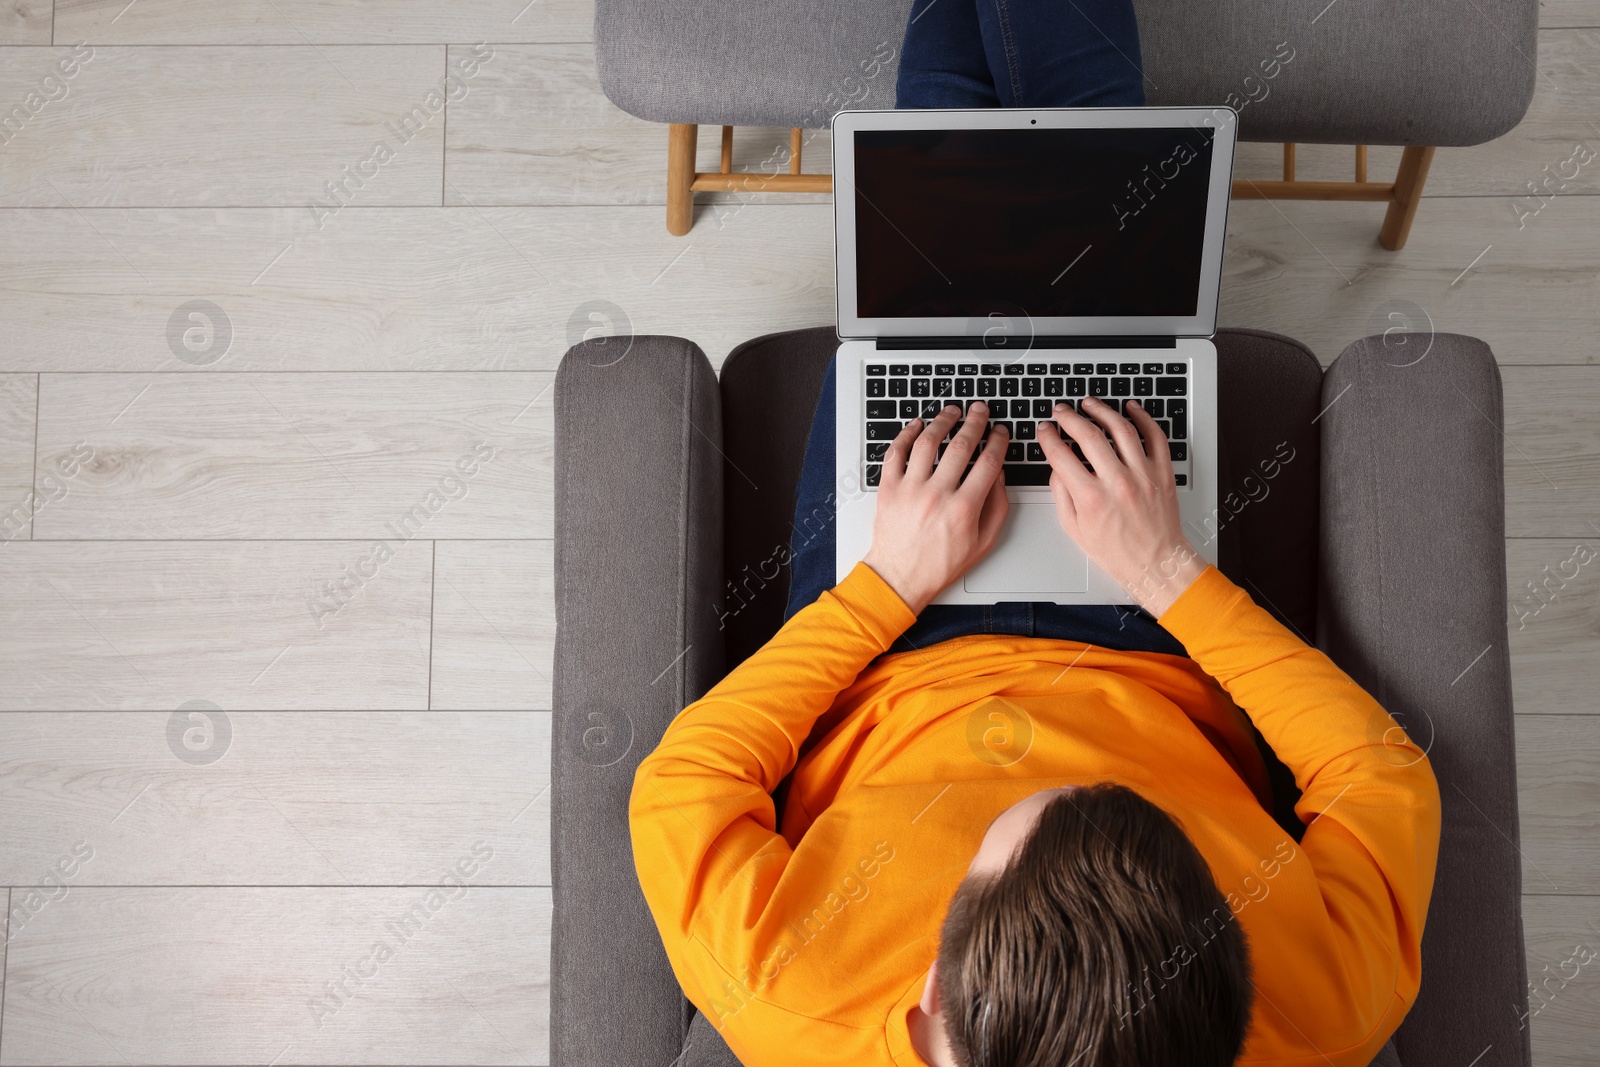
(1020,395)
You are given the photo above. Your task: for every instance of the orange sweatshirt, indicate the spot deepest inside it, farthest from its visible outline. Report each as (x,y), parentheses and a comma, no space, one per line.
(808,943)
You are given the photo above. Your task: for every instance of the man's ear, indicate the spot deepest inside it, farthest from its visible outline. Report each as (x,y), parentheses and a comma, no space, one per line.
(930,992)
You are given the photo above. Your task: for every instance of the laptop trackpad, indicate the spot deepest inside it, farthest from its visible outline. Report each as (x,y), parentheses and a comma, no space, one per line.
(1034,555)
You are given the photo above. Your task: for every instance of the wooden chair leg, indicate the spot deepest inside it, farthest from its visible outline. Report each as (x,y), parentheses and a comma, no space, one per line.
(681,141)
(1408,180)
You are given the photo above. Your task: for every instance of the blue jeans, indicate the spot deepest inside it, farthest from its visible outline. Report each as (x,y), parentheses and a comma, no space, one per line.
(811,573)
(1020,53)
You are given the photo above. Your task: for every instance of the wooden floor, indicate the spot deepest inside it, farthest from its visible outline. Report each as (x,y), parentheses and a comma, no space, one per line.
(275,642)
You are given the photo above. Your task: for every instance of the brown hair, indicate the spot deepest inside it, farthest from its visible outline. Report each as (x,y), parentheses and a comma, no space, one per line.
(1104,941)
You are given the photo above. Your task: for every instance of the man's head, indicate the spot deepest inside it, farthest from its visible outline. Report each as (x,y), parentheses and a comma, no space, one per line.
(1090,932)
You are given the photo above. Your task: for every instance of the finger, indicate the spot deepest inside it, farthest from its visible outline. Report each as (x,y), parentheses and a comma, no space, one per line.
(925,450)
(1096,449)
(1155,442)
(894,457)
(996,506)
(1121,430)
(987,468)
(954,461)
(1062,461)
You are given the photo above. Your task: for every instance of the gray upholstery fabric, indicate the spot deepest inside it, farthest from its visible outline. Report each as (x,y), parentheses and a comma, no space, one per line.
(1387,1056)
(705,1047)
(638,550)
(1375,72)
(1413,606)
(1432,72)
(747,64)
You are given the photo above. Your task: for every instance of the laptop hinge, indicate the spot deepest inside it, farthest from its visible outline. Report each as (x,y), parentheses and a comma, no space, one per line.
(1023,344)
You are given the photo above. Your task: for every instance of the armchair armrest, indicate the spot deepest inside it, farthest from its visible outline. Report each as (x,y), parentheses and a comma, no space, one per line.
(1413,605)
(638,570)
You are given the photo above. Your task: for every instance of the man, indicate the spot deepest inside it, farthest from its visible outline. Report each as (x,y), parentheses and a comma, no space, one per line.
(1000,851)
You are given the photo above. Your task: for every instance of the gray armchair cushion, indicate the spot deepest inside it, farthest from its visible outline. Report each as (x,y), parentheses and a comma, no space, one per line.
(1432,72)
(765,444)
(1387,1056)
(1269,389)
(1413,607)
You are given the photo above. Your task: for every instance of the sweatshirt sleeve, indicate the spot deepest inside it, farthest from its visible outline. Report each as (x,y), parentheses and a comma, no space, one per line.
(1369,794)
(701,817)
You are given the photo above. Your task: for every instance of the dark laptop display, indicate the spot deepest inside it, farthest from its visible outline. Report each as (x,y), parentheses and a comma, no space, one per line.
(1049,222)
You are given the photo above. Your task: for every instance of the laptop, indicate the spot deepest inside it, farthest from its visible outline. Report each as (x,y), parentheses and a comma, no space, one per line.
(1025,257)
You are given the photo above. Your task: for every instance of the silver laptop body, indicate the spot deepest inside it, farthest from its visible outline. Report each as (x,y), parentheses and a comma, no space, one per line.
(1058,248)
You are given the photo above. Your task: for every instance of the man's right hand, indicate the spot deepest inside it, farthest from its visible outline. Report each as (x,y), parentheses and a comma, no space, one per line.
(932,525)
(1124,514)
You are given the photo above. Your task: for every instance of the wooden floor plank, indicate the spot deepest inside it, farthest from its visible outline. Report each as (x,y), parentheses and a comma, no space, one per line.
(152,626)
(272,798)
(5,945)
(25,22)
(454,974)
(1315,271)
(18,404)
(1554,13)
(1552,452)
(1558,795)
(1563,938)
(318,456)
(1554,626)
(494,627)
(436,289)
(322,22)
(142,127)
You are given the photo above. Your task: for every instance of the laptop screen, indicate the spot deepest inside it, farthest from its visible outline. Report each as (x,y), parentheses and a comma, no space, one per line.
(1050,223)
